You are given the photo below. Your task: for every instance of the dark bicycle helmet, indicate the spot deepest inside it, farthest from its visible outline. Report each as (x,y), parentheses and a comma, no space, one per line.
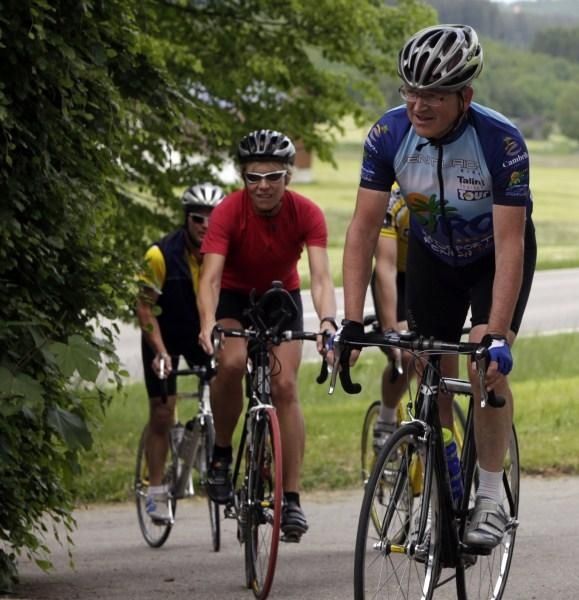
(202,195)
(444,57)
(266,145)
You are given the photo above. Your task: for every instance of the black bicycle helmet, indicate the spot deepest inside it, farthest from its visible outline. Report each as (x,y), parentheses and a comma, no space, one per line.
(202,195)
(266,145)
(444,57)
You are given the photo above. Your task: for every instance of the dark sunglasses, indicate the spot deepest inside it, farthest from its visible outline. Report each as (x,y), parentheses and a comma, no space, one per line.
(271,176)
(199,219)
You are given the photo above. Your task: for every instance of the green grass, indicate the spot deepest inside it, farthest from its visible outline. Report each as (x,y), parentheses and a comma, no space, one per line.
(554,167)
(545,384)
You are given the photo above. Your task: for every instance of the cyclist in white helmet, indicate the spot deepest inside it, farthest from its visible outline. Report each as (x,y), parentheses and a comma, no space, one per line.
(168,317)
(256,236)
(464,172)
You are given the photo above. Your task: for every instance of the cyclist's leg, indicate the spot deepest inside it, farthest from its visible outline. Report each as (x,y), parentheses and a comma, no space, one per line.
(291,420)
(156,442)
(226,405)
(493,426)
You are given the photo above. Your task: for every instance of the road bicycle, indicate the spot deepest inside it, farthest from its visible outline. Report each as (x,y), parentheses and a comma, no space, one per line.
(257,477)
(418,546)
(191,448)
(368,452)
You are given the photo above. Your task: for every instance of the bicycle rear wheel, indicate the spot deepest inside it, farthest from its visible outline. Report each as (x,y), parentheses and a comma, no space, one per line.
(155,534)
(264,502)
(486,576)
(401,558)
(203,464)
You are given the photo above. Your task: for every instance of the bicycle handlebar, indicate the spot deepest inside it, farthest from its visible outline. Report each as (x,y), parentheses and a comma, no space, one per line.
(274,337)
(407,341)
(201,371)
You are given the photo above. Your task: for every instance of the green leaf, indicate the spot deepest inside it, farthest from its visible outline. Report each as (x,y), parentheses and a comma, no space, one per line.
(71,428)
(76,356)
(26,390)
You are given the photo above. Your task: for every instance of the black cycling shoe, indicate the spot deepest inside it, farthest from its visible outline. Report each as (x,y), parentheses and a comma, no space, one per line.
(293,522)
(219,485)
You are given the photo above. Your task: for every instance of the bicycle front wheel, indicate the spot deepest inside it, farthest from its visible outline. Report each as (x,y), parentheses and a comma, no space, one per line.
(155,534)
(203,464)
(264,502)
(486,576)
(400,558)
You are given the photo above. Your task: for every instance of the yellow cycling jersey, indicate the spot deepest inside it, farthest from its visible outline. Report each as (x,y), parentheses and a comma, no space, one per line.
(157,270)
(396,226)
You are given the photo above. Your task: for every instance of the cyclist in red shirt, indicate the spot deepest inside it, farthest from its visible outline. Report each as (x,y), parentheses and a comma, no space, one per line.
(256,236)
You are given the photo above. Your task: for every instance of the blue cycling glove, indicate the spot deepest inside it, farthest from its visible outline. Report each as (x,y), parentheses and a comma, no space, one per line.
(499,352)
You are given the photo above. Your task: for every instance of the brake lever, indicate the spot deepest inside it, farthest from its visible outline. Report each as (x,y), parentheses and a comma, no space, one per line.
(335,367)
(482,360)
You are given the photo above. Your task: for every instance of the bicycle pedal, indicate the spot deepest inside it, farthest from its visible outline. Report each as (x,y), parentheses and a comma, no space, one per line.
(471,550)
(292,537)
(162,522)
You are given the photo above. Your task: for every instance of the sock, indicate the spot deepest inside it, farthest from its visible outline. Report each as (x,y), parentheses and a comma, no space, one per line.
(156,489)
(293,497)
(222,453)
(388,415)
(489,484)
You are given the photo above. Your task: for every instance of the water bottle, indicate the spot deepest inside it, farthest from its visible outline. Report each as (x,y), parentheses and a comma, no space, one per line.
(176,436)
(453,462)
(186,445)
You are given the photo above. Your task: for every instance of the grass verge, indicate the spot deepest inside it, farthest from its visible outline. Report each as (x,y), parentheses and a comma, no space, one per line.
(545,384)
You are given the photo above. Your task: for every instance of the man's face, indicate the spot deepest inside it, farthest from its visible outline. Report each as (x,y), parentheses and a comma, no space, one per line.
(265,192)
(197,223)
(434,113)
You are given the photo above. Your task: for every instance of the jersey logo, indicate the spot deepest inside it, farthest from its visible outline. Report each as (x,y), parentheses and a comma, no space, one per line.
(472,195)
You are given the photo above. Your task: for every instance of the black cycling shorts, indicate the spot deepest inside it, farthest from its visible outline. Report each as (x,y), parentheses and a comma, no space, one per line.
(193,356)
(232,305)
(438,295)
(400,293)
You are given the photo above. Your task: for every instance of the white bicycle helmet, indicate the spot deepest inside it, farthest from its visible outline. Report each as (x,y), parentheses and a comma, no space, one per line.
(203,194)
(442,57)
(266,145)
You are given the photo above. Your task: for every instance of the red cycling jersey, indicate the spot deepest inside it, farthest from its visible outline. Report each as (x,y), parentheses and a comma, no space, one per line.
(259,249)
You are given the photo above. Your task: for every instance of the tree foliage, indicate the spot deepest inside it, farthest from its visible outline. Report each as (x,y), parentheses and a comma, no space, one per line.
(100,99)
(558,41)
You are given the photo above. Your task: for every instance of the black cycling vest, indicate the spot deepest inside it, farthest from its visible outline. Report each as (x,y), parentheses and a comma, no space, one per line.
(179,318)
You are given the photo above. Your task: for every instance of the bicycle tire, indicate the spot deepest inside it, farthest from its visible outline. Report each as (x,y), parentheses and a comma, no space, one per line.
(203,463)
(154,534)
(368,456)
(402,560)
(264,503)
(486,578)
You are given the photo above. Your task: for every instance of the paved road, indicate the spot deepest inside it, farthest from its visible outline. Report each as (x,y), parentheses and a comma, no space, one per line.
(113,562)
(552,307)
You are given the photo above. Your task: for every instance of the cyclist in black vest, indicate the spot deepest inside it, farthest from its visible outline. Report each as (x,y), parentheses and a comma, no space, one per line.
(167,313)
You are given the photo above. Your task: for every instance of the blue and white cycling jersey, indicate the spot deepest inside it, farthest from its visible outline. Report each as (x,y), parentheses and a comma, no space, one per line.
(450,188)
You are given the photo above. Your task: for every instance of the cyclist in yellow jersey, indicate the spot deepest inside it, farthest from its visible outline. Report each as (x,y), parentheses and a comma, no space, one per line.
(387,284)
(168,317)
(388,291)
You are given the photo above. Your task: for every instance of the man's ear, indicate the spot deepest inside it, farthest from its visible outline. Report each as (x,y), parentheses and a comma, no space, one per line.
(467,96)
